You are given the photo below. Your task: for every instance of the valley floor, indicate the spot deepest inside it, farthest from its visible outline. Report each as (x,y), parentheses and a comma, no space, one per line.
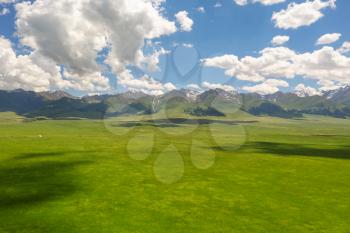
(142,175)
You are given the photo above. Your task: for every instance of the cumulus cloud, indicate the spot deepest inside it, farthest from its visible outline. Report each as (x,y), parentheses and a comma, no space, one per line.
(145,84)
(325,64)
(218,5)
(272,63)
(345,48)
(7,1)
(20,71)
(302,14)
(269,2)
(241,2)
(270,86)
(222,62)
(151,62)
(193,87)
(328,85)
(302,91)
(262,89)
(92,82)
(73,33)
(34,72)
(328,38)
(187,45)
(207,85)
(4,11)
(185,22)
(279,40)
(201,9)
(264,2)
(277,83)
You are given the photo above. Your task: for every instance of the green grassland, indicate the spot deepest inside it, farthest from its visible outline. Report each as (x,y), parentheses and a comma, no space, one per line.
(244,174)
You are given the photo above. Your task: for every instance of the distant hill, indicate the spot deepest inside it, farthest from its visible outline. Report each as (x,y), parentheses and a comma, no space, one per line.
(216,102)
(341,96)
(20,101)
(128,103)
(49,104)
(292,103)
(55,95)
(70,108)
(272,109)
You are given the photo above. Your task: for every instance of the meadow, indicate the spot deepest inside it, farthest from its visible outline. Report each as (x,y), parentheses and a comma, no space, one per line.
(248,174)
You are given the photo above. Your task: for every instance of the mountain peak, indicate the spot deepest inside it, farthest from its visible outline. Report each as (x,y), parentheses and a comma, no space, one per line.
(215,94)
(191,93)
(132,94)
(339,95)
(55,95)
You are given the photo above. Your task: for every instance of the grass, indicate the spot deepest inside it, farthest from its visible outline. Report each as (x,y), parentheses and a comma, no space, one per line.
(262,175)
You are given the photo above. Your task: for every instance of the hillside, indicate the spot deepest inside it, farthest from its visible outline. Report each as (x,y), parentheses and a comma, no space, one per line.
(208,103)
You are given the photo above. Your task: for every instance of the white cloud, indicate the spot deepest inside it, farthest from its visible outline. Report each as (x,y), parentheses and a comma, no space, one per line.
(193,87)
(263,2)
(3,8)
(201,9)
(223,62)
(279,40)
(328,38)
(241,2)
(20,71)
(187,45)
(272,63)
(270,86)
(269,2)
(169,87)
(74,38)
(185,22)
(324,64)
(345,48)
(277,83)
(92,82)
(302,14)
(34,72)
(151,62)
(207,85)
(280,62)
(7,1)
(262,89)
(145,84)
(302,91)
(218,5)
(4,11)
(327,85)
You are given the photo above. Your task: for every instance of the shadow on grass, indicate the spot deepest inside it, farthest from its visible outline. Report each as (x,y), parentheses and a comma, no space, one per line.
(198,121)
(136,124)
(176,122)
(28,182)
(47,154)
(38,155)
(309,150)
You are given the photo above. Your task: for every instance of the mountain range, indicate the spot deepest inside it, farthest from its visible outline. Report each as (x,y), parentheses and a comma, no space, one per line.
(216,102)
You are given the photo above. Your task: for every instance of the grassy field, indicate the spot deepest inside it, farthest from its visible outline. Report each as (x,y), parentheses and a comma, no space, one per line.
(239,175)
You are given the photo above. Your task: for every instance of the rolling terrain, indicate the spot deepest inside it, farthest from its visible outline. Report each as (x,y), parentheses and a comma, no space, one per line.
(183,162)
(211,102)
(207,174)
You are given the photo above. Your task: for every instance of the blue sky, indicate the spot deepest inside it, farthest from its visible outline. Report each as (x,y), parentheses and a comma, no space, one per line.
(229,29)
(245,30)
